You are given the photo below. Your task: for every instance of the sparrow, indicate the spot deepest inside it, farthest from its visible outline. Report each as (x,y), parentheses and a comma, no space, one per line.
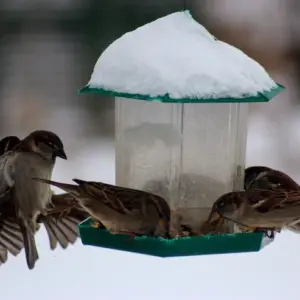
(57,228)
(121,210)
(257,208)
(61,220)
(35,155)
(260,177)
(8,143)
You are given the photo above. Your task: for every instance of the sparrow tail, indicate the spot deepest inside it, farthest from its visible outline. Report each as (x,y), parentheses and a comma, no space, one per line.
(29,244)
(78,181)
(69,188)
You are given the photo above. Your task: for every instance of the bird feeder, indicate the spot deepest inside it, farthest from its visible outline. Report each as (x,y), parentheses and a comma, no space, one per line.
(181,127)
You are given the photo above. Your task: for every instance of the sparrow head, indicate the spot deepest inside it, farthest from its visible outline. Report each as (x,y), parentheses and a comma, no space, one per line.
(45,143)
(8,143)
(251,173)
(226,206)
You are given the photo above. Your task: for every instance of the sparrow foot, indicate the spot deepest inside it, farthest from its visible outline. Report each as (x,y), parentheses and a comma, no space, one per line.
(131,235)
(186,231)
(253,229)
(270,234)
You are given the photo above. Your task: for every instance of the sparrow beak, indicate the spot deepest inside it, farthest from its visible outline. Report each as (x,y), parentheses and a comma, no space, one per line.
(60,153)
(214,217)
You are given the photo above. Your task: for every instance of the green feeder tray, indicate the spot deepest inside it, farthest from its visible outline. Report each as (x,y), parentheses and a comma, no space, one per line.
(185,246)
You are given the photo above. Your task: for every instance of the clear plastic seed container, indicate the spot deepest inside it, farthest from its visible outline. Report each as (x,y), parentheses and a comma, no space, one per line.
(190,154)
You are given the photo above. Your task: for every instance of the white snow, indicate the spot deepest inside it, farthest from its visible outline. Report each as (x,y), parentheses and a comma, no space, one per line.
(178,56)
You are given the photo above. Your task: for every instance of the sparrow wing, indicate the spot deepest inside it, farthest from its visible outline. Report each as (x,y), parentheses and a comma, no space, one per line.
(62,219)
(266,200)
(11,239)
(61,226)
(124,200)
(282,209)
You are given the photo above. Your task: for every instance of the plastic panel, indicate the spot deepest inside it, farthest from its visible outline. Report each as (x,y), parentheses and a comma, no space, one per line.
(189,154)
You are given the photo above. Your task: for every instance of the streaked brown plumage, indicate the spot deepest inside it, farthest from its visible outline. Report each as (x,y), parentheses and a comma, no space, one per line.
(121,210)
(261,177)
(265,209)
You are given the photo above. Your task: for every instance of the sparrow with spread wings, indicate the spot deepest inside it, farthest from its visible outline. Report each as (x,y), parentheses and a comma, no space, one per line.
(24,204)
(121,210)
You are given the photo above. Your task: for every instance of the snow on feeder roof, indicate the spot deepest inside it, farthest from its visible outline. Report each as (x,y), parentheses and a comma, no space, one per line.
(175,59)
(186,150)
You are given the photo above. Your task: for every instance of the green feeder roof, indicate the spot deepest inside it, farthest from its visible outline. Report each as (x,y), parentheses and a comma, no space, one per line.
(185,246)
(175,59)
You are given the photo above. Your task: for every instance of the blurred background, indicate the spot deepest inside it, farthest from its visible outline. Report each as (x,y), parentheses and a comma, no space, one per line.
(47,52)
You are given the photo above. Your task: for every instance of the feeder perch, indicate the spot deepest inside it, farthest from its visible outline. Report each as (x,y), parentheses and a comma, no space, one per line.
(187,141)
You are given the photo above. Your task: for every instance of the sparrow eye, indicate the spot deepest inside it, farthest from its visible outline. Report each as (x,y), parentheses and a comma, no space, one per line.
(50,144)
(221,204)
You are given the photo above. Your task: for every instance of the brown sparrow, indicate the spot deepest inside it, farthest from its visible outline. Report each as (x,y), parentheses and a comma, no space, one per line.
(64,214)
(34,156)
(259,177)
(121,210)
(265,209)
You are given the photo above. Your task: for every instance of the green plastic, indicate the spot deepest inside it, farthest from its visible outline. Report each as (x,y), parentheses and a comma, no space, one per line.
(185,246)
(261,97)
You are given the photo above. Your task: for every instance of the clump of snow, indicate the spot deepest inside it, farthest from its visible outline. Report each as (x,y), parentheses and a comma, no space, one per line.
(175,55)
